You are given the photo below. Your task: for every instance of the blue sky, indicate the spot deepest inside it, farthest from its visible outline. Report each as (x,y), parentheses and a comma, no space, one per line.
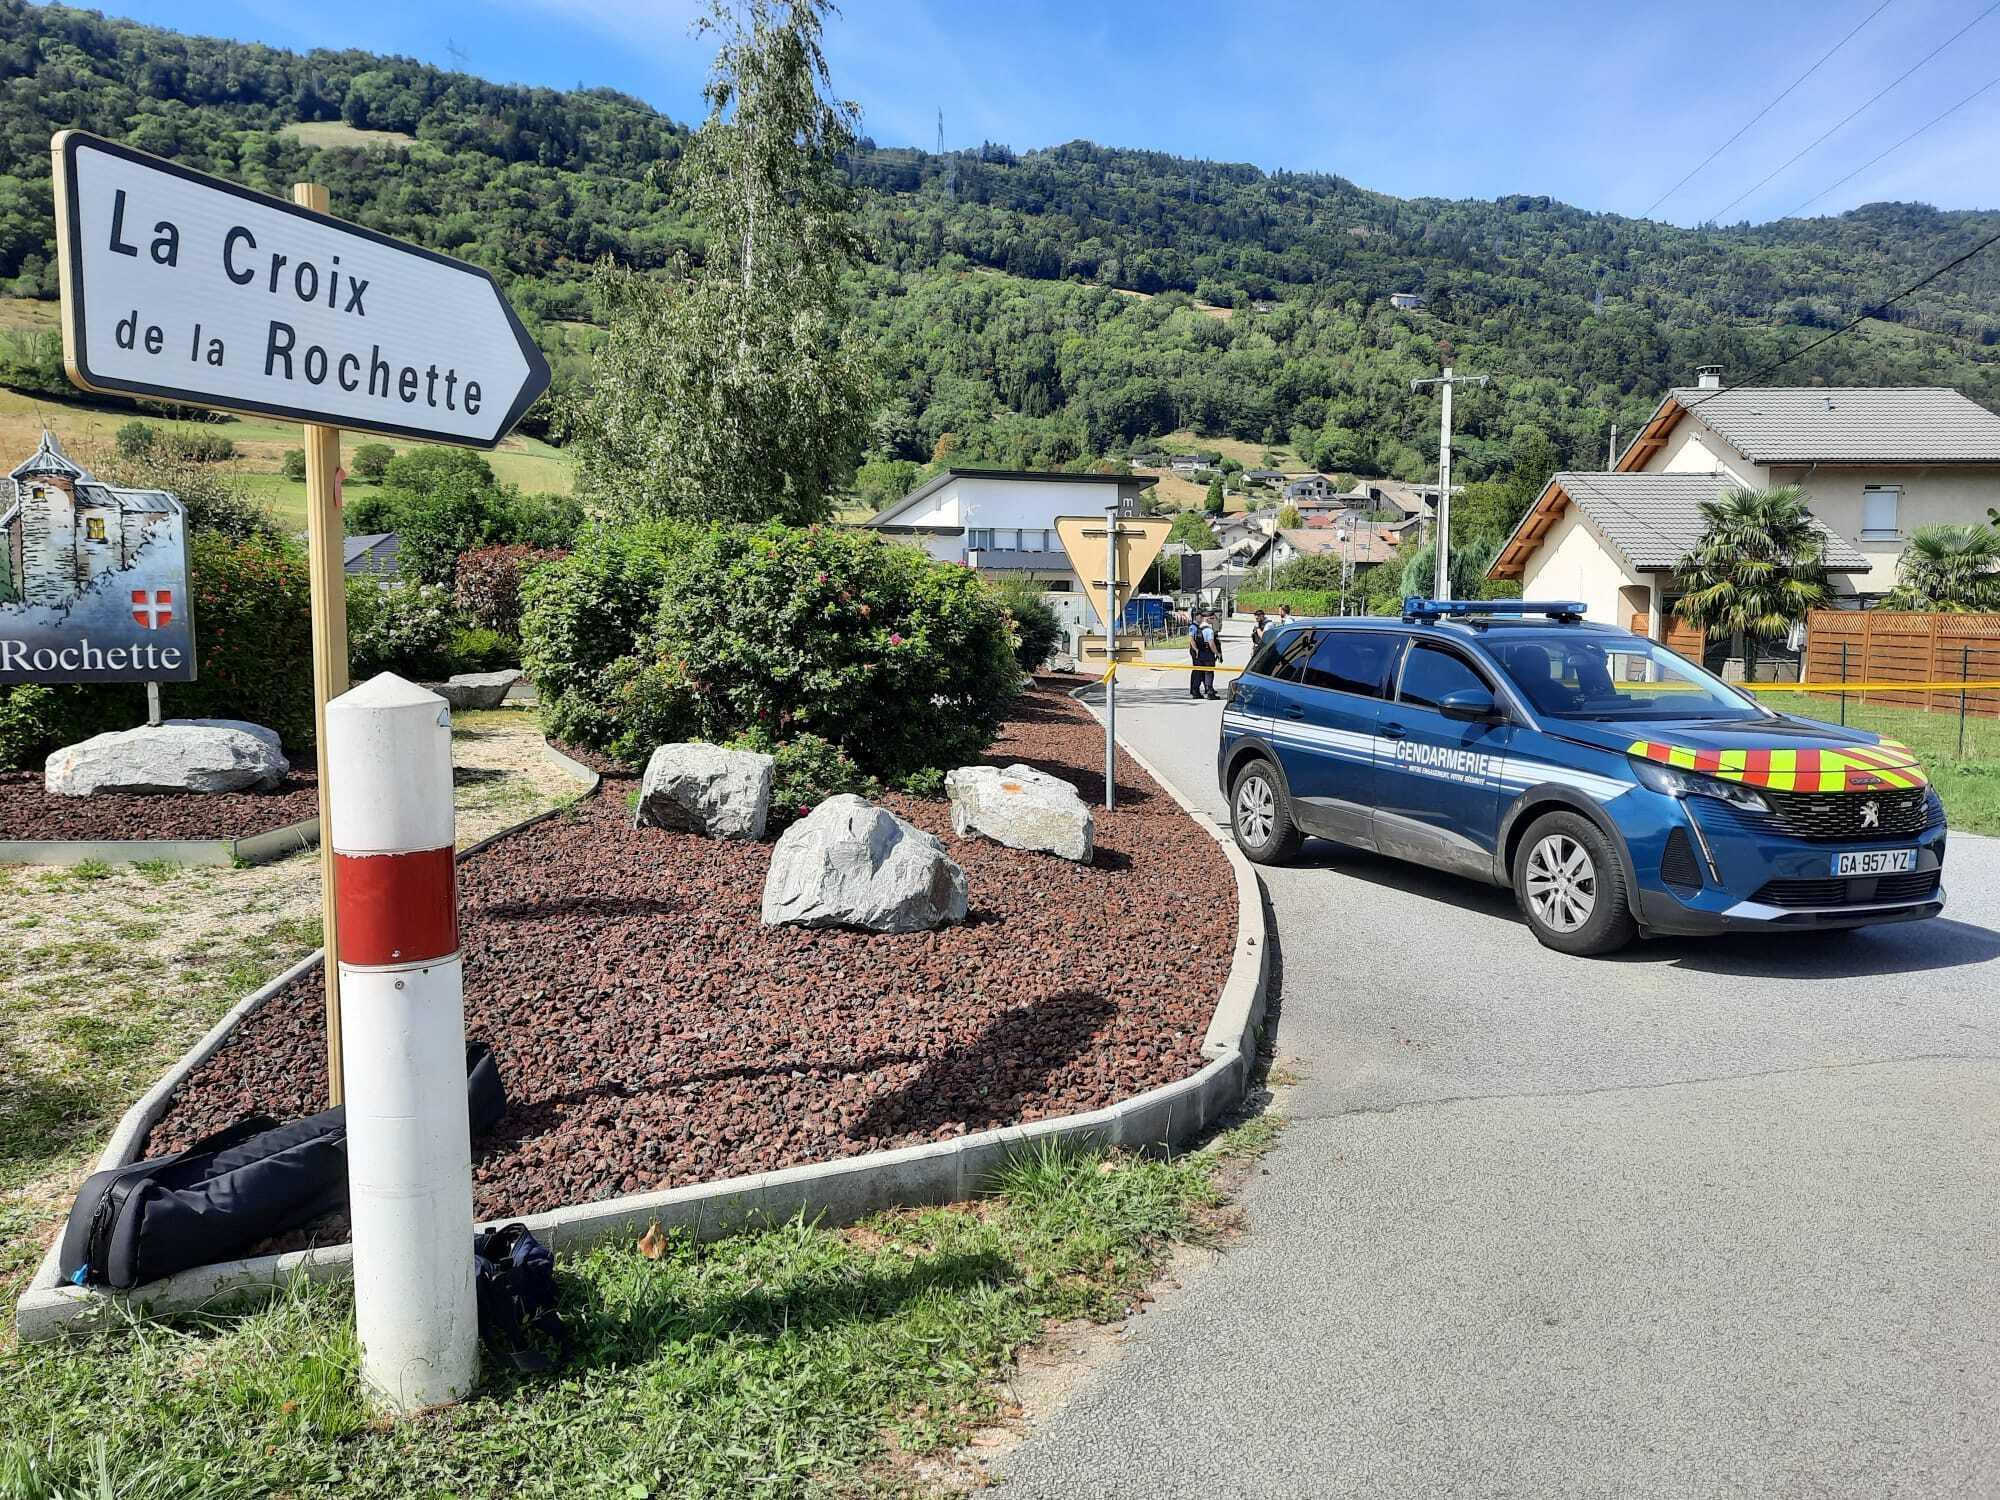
(1601,105)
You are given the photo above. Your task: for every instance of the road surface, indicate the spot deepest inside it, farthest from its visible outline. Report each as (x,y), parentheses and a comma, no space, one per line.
(1711,1218)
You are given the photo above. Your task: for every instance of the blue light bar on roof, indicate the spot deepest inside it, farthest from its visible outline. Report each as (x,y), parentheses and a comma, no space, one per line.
(1415,608)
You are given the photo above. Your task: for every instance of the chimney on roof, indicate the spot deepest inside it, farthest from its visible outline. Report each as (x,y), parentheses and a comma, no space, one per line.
(1708,377)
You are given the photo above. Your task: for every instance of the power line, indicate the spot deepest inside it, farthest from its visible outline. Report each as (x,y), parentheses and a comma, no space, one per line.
(1897,147)
(1863,316)
(1766,109)
(1717,215)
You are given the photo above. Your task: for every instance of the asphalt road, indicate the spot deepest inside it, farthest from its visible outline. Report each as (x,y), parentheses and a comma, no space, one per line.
(1712,1218)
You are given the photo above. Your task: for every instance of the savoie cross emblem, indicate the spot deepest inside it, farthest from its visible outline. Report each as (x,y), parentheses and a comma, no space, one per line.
(153,608)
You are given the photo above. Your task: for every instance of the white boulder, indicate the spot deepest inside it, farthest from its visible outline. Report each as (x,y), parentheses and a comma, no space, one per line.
(1022,808)
(849,863)
(469,690)
(180,755)
(706,789)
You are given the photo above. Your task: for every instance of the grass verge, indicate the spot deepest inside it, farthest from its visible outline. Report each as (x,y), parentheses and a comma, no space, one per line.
(1969,785)
(799,1361)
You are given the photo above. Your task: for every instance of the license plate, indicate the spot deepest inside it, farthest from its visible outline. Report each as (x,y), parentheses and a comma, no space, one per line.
(1874,861)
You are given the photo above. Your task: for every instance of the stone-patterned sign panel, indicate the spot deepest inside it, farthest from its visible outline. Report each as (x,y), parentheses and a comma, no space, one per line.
(93,578)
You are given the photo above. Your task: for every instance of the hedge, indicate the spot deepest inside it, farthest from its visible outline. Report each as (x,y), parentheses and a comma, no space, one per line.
(1302,601)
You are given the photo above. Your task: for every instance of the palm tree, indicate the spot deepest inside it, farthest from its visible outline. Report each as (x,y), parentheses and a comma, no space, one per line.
(1950,568)
(1758,568)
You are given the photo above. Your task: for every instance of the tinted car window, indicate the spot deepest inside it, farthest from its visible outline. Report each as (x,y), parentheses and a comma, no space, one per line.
(1430,674)
(1284,656)
(1352,661)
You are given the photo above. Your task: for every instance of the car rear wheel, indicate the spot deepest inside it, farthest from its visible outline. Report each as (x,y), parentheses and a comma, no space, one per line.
(1571,887)
(1260,816)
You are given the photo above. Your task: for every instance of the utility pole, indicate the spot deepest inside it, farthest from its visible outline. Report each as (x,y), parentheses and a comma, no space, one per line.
(1441,586)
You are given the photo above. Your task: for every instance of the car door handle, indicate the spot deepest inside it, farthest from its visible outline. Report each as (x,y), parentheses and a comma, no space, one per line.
(1295,711)
(1392,731)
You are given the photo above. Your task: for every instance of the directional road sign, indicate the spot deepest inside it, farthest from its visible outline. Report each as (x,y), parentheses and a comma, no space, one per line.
(184,287)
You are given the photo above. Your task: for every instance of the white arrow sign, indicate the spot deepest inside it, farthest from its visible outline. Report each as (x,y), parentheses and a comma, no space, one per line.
(184,287)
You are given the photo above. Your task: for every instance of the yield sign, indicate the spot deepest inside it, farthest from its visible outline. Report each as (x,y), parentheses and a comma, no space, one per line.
(184,287)
(1085,539)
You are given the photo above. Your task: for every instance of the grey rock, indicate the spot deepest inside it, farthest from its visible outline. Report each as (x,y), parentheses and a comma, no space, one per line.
(849,863)
(180,755)
(469,690)
(706,789)
(1022,808)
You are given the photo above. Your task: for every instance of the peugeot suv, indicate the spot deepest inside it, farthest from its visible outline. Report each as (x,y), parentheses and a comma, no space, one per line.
(1617,788)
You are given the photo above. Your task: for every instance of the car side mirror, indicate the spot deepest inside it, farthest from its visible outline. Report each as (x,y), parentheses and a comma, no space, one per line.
(1474,705)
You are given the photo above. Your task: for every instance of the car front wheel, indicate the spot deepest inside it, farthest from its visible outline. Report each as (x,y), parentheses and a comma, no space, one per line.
(1571,887)
(1260,816)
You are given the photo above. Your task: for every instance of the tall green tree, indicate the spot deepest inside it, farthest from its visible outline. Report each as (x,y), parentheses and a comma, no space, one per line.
(1213,504)
(1949,568)
(724,391)
(1191,527)
(1759,567)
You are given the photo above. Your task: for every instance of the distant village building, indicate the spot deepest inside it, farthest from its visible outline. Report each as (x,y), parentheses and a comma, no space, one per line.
(1003,522)
(1407,301)
(1310,487)
(1874,464)
(65,529)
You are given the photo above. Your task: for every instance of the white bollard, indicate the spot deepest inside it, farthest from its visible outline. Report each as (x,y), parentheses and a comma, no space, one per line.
(409,1147)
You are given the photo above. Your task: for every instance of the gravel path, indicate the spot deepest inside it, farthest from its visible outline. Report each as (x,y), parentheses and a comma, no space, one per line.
(27,811)
(652,1033)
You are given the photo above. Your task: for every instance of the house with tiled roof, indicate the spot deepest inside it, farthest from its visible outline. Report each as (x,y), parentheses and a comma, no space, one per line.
(1874,463)
(63,529)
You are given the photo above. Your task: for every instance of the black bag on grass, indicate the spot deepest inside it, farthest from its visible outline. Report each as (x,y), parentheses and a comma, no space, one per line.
(515,1277)
(152,1218)
(137,1223)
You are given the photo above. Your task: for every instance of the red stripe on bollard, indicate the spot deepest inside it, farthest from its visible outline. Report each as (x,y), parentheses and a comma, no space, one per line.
(397,908)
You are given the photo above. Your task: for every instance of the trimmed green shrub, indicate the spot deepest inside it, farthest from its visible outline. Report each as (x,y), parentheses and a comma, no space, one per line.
(809,770)
(196,445)
(902,661)
(480,650)
(582,613)
(293,466)
(1302,601)
(135,439)
(926,782)
(443,502)
(405,628)
(1037,630)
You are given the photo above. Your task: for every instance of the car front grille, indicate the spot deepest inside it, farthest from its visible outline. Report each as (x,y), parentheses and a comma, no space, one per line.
(1833,815)
(1860,890)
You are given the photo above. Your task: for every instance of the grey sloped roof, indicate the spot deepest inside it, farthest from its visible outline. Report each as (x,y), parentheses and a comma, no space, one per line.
(1849,424)
(1655,519)
(48,458)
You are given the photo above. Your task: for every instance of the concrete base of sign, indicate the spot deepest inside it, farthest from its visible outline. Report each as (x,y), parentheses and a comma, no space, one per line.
(257,849)
(831,1193)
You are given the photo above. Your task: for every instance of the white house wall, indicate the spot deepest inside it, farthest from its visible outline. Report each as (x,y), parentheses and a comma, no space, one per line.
(1695,448)
(1574,562)
(1931,496)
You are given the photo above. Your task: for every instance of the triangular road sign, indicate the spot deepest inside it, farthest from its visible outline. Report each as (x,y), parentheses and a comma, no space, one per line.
(1085,539)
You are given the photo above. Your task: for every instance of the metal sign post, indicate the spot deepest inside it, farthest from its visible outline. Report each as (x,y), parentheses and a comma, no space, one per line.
(1111,654)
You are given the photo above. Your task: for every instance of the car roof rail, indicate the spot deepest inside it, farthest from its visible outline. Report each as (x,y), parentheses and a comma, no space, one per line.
(1419,610)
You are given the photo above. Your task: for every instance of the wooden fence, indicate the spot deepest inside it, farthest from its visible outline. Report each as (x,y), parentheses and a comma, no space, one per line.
(1886,646)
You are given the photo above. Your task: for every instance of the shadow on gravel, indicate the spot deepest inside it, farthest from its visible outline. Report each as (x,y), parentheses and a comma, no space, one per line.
(984,1084)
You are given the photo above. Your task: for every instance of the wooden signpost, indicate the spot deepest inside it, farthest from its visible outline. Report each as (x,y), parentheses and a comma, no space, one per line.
(182,287)
(1109,553)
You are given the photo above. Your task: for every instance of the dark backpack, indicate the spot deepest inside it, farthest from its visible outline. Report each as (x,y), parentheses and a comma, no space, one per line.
(515,1276)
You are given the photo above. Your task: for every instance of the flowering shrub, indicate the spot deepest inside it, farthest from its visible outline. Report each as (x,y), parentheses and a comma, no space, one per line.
(487,585)
(406,628)
(809,770)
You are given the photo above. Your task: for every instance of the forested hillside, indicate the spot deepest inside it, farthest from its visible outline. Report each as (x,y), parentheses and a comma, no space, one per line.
(1053,306)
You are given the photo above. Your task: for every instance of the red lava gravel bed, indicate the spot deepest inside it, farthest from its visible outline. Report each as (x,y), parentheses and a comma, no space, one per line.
(651,1033)
(27,811)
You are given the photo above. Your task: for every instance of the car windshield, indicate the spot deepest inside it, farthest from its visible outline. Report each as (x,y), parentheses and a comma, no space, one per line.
(1616,678)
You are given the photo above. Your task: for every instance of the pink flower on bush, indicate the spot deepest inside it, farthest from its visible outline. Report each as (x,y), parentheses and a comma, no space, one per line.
(895,640)
(864,610)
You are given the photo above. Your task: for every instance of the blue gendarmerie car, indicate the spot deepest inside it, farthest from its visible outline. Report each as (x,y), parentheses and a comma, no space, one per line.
(1616,787)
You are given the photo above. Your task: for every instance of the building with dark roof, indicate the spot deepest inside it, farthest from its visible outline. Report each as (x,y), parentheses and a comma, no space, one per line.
(64,529)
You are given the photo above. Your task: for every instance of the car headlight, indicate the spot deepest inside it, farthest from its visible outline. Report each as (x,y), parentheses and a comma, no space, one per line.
(1671,781)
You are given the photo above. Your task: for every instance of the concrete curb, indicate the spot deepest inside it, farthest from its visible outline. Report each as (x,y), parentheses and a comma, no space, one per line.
(833,1193)
(256,849)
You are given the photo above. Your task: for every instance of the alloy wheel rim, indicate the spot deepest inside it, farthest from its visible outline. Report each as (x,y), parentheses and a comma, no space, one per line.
(1256,810)
(1562,883)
